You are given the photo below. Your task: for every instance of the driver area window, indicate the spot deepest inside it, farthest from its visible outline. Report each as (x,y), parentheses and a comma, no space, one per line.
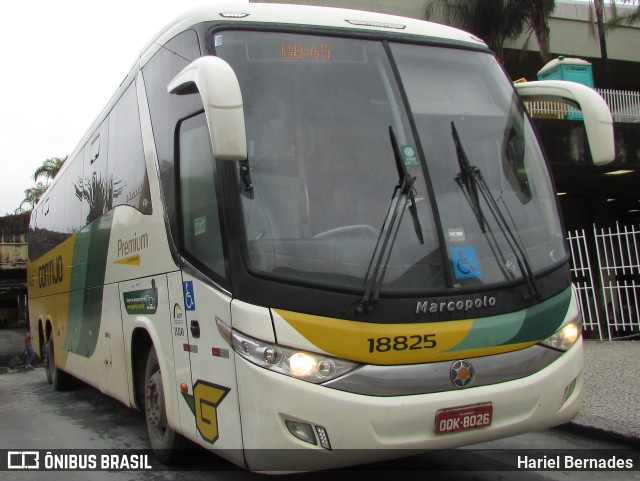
(201,231)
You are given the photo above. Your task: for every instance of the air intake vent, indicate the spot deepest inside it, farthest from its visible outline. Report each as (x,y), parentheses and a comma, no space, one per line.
(234,14)
(367,23)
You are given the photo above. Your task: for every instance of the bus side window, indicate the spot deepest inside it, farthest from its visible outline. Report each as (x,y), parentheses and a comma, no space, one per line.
(167,109)
(96,190)
(199,208)
(73,191)
(126,170)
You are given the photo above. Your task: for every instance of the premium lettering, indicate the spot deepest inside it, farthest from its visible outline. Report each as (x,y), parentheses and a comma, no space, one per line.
(133,245)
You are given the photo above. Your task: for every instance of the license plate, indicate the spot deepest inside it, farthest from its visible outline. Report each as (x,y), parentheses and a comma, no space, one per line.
(464,418)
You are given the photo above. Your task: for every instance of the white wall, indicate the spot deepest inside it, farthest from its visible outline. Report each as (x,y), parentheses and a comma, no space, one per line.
(573,33)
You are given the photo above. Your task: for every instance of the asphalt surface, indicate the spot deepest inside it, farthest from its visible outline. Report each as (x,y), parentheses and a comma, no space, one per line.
(611,404)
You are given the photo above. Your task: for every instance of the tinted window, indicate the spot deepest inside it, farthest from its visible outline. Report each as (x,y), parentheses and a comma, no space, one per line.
(73,219)
(127,172)
(201,233)
(95,189)
(167,109)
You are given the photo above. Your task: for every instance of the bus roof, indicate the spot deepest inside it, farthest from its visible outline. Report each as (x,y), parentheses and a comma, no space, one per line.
(281,15)
(290,14)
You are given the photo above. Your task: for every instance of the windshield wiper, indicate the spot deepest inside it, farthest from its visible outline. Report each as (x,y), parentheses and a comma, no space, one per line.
(403,194)
(405,185)
(466,178)
(471,181)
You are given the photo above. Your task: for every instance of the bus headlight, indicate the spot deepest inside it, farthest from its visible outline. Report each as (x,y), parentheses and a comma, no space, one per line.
(566,336)
(316,368)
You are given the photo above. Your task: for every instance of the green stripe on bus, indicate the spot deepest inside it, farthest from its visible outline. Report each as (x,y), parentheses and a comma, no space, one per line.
(529,325)
(545,318)
(87,280)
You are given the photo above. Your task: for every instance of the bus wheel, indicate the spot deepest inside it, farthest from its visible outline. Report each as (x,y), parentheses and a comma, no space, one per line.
(48,356)
(60,379)
(164,441)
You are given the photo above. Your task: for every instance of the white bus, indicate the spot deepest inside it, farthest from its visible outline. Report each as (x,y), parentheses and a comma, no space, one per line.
(314,229)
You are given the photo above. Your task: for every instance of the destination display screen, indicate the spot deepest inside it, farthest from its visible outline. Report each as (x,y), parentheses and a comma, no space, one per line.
(280,47)
(301,51)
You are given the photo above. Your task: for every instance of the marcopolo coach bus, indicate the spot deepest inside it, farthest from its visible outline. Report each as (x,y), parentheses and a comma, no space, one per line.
(314,229)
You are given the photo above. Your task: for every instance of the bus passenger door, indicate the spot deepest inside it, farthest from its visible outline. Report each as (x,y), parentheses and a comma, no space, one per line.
(182,362)
(212,394)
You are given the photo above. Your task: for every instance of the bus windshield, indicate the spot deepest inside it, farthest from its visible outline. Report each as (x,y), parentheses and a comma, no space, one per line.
(323,171)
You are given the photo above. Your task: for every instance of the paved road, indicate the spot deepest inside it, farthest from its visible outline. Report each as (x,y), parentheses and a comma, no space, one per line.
(11,343)
(612,395)
(33,416)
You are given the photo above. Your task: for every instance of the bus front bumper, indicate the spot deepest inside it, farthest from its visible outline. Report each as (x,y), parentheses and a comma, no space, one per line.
(362,429)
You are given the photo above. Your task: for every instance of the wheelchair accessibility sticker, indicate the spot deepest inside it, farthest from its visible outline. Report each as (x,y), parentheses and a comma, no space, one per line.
(465,262)
(189,298)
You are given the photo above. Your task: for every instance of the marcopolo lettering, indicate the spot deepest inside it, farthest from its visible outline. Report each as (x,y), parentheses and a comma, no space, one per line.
(50,273)
(462,305)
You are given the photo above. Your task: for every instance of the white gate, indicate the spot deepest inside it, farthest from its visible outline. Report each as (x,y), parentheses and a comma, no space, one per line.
(583,281)
(612,305)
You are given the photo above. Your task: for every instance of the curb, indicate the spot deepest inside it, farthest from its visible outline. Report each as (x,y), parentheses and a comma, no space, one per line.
(602,430)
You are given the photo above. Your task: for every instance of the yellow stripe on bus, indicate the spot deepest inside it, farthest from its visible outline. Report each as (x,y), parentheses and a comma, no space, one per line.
(390,344)
(133,260)
(51,273)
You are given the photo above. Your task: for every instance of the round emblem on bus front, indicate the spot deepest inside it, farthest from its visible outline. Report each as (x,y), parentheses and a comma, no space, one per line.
(462,373)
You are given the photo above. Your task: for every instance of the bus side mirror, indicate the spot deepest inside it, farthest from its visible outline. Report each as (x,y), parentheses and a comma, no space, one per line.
(218,86)
(595,111)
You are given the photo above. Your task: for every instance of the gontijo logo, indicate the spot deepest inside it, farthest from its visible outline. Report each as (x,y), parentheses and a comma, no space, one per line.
(50,273)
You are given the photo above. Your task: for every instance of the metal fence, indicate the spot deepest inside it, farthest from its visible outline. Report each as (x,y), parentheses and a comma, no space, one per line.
(609,294)
(624,106)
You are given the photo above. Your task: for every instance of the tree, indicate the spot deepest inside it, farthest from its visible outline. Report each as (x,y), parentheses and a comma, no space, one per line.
(49,168)
(31,197)
(538,13)
(598,6)
(627,18)
(616,21)
(496,21)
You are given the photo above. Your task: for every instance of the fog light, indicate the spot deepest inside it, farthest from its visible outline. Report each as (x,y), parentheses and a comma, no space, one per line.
(302,431)
(323,436)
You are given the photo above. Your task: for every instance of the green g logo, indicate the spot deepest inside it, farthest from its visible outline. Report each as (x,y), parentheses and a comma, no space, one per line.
(207,397)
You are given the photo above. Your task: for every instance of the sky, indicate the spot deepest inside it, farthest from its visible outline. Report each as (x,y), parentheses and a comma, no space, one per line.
(61,62)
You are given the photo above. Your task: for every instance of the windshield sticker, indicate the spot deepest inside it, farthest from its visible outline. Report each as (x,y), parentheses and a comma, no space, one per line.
(465,262)
(200,225)
(409,155)
(456,235)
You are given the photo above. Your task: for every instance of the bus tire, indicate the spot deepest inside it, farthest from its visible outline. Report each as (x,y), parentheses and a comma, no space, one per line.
(48,361)
(61,380)
(165,442)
